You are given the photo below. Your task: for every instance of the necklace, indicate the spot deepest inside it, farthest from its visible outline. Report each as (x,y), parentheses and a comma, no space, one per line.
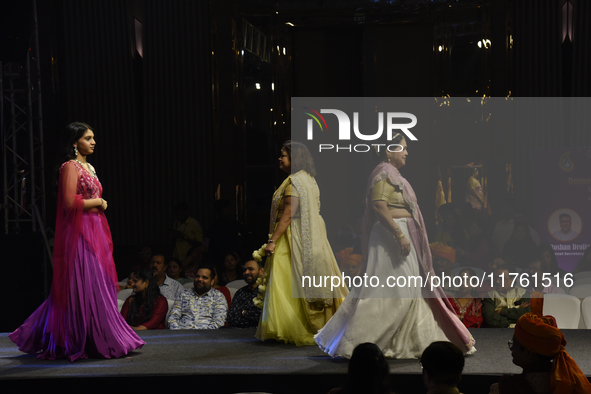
(89,169)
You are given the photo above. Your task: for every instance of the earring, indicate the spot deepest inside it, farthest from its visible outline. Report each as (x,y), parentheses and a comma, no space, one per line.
(76,151)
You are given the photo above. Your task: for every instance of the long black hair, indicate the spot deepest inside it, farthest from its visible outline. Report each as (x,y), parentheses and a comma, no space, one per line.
(71,133)
(152,292)
(368,371)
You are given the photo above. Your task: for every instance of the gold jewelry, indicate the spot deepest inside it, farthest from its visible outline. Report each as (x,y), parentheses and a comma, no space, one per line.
(270,241)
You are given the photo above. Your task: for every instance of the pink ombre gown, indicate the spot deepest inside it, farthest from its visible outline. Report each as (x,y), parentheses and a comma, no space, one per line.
(80,319)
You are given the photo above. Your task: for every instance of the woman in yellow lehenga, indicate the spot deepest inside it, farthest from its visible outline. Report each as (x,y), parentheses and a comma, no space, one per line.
(297,248)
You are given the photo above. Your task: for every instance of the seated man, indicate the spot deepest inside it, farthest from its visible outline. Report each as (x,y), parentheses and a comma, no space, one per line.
(504,305)
(202,307)
(538,347)
(443,363)
(243,312)
(169,288)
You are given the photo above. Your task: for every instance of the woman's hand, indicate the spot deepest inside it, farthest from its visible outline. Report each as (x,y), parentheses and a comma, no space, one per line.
(404,246)
(104,205)
(270,249)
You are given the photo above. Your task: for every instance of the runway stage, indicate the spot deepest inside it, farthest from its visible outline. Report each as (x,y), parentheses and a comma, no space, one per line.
(233,361)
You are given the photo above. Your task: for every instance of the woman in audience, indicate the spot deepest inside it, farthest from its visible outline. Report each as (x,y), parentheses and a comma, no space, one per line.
(223,289)
(129,284)
(520,248)
(146,309)
(231,269)
(368,372)
(467,307)
(548,257)
(174,271)
(190,264)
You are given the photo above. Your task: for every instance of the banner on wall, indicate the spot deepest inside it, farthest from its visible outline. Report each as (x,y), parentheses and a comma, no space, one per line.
(562,201)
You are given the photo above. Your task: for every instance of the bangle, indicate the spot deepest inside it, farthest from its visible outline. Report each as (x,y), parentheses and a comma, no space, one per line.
(399,237)
(270,241)
(103,203)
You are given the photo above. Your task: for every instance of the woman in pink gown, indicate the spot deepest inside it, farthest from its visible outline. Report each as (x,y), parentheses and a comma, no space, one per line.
(80,319)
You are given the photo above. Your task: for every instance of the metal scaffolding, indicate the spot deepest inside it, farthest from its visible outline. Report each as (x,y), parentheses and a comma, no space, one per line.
(21,129)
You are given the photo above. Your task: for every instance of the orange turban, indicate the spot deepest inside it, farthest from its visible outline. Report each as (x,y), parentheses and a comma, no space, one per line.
(441,250)
(347,255)
(539,334)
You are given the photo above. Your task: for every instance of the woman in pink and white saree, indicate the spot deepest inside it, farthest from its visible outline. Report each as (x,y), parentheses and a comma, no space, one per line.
(401,319)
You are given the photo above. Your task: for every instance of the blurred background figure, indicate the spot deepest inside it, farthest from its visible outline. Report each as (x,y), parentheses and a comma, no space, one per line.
(368,372)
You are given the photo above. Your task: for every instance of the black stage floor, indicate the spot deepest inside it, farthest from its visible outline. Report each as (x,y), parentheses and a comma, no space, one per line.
(232,361)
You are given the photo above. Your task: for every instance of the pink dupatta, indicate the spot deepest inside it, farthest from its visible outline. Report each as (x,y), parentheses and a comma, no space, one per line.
(452,325)
(75,185)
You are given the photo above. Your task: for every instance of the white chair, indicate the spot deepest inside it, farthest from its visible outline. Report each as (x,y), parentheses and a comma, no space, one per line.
(236,284)
(123,294)
(581,291)
(120,304)
(189,285)
(582,281)
(586,311)
(170,304)
(123,282)
(582,274)
(565,308)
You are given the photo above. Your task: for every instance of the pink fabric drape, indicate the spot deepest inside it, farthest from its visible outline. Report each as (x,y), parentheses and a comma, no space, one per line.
(418,234)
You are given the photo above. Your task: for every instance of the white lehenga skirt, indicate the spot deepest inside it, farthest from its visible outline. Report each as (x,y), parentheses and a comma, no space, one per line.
(397,319)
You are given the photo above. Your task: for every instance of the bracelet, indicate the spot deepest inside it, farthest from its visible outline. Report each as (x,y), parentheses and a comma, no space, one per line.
(270,241)
(103,204)
(399,237)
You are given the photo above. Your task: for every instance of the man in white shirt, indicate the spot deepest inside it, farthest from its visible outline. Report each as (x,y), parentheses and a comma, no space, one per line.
(566,233)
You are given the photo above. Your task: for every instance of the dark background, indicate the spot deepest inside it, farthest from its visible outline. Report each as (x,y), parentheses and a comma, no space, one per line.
(185,121)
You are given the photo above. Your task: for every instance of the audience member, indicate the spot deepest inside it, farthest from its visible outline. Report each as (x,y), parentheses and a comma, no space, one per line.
(243,312)
(504,305)
(222,289)
(231,269)
(186,231)
(169,287)
(444,258)
(541,279)
(467,307)
(349,262)
(191,263)
(520,248)
(546,253)
(442,363)
(174,271)
(478,247)
(145,309)
(129,284)
(201,307)
(368,372)
(538,347)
